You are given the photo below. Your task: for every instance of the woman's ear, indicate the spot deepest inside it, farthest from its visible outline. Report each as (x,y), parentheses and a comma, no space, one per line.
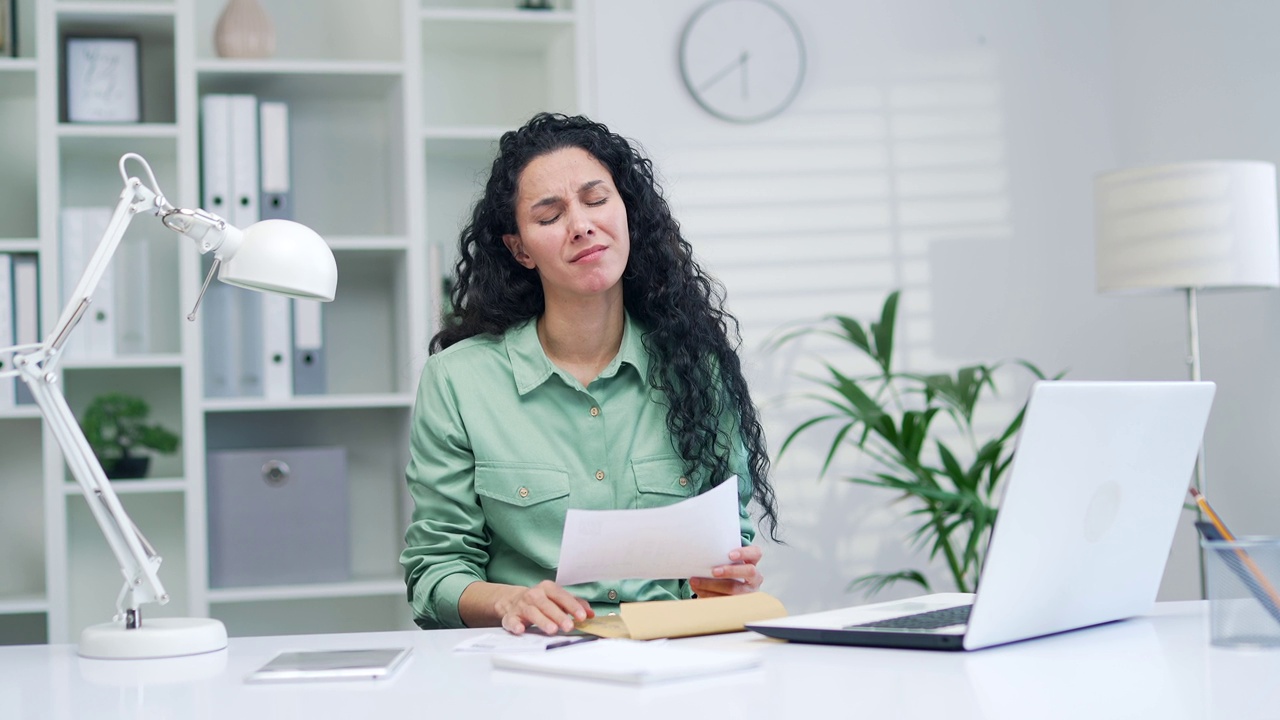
(517,250)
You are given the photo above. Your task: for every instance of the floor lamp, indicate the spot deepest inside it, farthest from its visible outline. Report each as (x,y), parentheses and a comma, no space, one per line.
(1188,227)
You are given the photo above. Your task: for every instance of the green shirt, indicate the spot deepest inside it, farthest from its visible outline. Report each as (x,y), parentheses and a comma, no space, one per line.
(504,443)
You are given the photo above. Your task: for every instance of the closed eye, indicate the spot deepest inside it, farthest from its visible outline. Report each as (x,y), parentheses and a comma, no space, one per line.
(549,221)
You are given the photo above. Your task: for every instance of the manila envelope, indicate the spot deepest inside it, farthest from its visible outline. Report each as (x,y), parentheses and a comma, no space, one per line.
(683,618)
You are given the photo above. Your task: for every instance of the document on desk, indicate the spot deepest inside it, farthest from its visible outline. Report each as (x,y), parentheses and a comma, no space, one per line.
(630,661)
(678,541)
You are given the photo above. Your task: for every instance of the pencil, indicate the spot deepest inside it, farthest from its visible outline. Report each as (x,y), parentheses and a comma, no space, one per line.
(1213,516)
(1226,535)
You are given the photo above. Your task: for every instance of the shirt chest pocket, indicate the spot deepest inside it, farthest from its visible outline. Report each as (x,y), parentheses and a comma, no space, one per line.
(524,507)
(661,481)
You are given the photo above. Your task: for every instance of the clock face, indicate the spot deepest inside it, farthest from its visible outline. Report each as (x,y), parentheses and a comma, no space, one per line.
(742,60)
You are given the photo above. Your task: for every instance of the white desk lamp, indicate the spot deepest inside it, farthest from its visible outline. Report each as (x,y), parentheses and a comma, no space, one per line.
(1188,227)
(275,256)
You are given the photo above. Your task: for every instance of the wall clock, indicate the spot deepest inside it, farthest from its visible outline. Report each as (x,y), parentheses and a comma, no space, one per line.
(742,60)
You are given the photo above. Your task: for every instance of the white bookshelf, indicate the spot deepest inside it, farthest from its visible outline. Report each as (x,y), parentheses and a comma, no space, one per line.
(395,110)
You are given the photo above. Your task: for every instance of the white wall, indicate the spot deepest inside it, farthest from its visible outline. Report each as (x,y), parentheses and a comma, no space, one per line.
(947,147)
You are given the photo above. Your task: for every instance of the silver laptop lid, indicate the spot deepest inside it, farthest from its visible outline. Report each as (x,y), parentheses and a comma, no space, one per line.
(1097,485)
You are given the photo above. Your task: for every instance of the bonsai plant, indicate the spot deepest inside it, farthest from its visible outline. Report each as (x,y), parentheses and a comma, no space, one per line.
(891,418)
(115,426)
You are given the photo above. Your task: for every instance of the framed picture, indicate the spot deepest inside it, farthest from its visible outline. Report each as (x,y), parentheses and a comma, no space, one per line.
(101,80)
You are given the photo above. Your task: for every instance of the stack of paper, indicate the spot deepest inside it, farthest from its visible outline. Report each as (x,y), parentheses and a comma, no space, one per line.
(629,661)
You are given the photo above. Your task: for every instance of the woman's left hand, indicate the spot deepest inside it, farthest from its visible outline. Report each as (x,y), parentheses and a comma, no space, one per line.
(741,576)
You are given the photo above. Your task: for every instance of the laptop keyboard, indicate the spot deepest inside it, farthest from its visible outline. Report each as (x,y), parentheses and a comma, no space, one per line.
(923,621)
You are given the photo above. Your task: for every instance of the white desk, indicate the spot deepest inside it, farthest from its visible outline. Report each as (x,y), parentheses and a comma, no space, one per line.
(1157,667)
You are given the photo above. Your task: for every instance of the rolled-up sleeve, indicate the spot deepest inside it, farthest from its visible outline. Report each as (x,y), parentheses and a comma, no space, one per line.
(446,548)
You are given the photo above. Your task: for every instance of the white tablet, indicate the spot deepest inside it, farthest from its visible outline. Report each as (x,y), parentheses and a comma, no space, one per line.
(326,665)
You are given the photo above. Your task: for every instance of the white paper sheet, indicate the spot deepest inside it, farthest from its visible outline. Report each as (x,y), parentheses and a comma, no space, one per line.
(678,541)
(529,642)
(630,661)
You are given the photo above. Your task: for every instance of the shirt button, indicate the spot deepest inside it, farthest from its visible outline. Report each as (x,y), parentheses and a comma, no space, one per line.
(524,492)
(684,482)
(613,594)
(599,474)
(595,411)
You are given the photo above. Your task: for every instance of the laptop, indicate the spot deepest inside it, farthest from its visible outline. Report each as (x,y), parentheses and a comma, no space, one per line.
(1093,497)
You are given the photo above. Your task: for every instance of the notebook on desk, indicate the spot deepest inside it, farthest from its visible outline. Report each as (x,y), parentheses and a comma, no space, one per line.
(1098,480)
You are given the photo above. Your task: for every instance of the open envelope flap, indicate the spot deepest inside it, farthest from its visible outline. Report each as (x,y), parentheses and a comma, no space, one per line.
(682,618)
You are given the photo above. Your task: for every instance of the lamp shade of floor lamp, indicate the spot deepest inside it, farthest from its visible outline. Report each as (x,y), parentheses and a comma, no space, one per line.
(1188,227)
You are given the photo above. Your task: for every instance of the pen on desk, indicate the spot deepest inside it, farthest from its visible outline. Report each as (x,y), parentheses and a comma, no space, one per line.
(571,640)
(1227,536)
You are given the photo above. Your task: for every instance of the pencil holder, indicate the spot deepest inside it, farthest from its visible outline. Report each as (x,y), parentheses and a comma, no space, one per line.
(1243,582)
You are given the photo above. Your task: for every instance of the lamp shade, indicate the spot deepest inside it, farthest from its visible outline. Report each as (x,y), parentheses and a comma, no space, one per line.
(282,257)
(1187,225)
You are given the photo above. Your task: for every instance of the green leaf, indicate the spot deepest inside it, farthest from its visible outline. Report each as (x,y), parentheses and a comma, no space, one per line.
(875,582)
(854,333)
(883,332)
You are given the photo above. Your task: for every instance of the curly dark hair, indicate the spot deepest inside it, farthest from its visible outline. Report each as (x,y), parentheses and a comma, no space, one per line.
(688,332)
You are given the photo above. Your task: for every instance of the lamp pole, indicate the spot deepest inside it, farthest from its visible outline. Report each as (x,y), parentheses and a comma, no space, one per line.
(1193,361)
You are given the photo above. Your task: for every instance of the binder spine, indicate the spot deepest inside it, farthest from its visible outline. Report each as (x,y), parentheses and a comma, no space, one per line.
(277,198)
(26,307)
(309,372)
(7,385)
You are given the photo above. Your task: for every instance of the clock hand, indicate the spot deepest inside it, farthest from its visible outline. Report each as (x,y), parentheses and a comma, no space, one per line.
(741,61)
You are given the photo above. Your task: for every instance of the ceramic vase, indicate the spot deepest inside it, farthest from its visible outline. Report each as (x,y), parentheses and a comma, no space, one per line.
(244,30)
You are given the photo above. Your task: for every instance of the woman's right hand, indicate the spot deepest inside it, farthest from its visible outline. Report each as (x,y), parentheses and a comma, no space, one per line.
(546,606)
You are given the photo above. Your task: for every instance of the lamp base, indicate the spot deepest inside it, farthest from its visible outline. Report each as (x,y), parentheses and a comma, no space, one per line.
(157,638)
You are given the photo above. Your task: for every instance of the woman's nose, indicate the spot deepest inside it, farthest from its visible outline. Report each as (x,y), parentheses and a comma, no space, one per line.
(580,224)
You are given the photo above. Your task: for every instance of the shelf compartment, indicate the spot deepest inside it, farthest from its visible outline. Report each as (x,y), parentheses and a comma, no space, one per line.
(18,149)
(90,177)
(159,387)
(94,574)
(376,441)
(367,359)
(22,528)
(457,168)
(152,25)
(525,67)
(357,122)
(367,30)
(24,628)
(26,27)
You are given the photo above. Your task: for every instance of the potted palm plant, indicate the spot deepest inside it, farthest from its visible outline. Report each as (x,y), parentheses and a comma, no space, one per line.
(116,428)
(892,418)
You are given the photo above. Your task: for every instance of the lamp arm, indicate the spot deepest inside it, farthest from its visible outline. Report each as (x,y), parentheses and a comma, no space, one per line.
(36,365)
(138,560)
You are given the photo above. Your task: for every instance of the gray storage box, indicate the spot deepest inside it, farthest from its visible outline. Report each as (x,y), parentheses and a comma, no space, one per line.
(278,516)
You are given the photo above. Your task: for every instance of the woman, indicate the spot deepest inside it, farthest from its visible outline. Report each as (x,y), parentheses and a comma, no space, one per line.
(586,363)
